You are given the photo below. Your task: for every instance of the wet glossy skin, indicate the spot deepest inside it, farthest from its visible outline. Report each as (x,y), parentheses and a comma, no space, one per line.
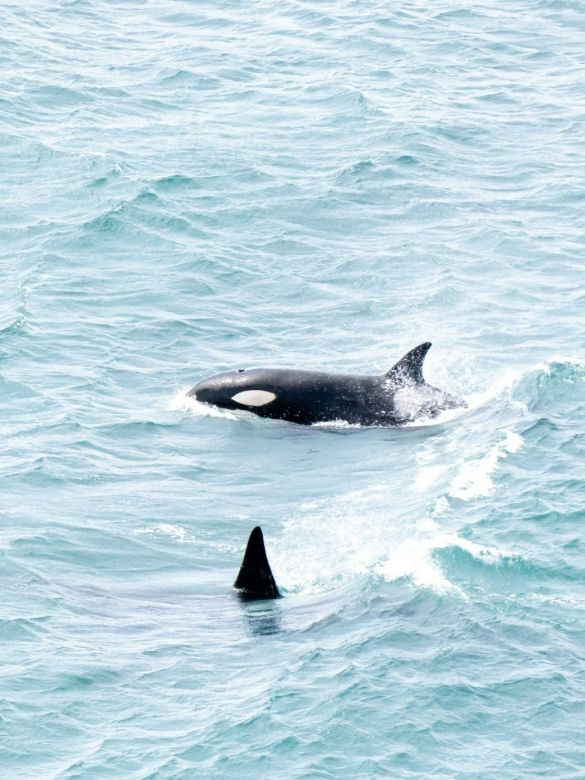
(308,397)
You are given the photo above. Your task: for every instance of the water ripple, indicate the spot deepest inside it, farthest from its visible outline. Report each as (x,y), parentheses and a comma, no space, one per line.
(190,188)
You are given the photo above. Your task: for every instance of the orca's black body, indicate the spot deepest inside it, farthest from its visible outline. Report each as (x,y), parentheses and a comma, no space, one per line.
(309,397)
(255,579)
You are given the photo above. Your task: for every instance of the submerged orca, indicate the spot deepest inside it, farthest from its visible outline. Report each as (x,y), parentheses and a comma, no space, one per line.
(306,397)
(255,580)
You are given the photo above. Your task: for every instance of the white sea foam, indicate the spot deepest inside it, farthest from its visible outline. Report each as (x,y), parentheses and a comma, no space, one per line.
(474,478)
(166,529)
(428,476)
(336,424)
(181,402)
(357,533)
(504,385)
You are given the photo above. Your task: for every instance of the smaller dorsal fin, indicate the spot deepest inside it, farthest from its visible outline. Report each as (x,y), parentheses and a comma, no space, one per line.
(255,580)
(408,370)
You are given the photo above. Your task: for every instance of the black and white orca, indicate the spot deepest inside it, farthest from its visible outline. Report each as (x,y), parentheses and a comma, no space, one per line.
(255,579)
(397,397)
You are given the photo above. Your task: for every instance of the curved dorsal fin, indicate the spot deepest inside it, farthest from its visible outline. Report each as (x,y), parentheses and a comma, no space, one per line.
(408,370)
(255,580)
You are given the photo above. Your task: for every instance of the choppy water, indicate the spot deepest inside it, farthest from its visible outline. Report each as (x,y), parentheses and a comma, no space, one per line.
(192,187)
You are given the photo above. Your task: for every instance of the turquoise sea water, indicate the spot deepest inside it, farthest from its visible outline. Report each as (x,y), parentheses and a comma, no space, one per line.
(189,187)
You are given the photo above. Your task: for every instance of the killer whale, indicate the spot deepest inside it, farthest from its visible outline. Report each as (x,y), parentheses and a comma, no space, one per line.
(255,579)
(307,397)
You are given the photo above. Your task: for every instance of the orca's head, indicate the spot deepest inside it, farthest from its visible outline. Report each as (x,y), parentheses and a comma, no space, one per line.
(241,389)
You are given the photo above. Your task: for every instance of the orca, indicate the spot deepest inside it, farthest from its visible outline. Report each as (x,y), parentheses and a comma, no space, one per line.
(395,398)
(255,580)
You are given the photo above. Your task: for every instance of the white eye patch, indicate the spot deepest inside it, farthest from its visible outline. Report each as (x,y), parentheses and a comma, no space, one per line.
(253,397)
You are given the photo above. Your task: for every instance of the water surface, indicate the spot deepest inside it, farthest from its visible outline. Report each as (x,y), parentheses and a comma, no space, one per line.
(194,187)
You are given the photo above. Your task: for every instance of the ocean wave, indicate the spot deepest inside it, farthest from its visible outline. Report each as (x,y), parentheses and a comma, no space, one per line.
(551,382)
(327,544)
(474,478)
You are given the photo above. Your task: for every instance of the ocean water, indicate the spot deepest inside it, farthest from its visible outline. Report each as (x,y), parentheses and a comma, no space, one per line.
(189,187)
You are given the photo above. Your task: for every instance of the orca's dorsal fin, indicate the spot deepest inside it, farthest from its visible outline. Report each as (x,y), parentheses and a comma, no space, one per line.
(255,580)
(408,370)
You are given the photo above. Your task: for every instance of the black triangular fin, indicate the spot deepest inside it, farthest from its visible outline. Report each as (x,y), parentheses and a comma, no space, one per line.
(255,580)
(408,370)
